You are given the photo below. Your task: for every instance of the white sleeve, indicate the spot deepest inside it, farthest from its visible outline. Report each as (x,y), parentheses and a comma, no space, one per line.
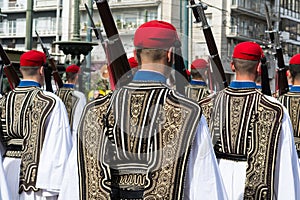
(287,166)
(70,183)
(203,176)
(4,194)
(77,115)
(56,148)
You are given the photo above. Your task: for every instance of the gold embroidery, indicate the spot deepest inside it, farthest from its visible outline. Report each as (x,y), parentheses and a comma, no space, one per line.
(196,92)
(26,112)
(207,108)
(291,101)
(147,152)
(137,102)
(70,101)
(254,137)
(236,113)
(92,178)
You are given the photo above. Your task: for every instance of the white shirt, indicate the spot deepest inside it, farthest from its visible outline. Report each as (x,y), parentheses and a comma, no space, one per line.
(77,113)
(4,193)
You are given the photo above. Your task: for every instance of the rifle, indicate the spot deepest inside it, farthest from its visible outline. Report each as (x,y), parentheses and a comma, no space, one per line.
(9,69)
(198,11)
(97,34)
(103,43)
(282,79)
(265,84)
(181,69)
(118,64)
(1,79)
(55,74)
(47,72)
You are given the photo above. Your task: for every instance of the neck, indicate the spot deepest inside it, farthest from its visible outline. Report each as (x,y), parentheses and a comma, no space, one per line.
(296,82)
(70,82)
(241,77)
(31,78)
(157,67)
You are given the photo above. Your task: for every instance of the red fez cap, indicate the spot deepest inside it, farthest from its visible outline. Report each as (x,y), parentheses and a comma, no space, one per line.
(32,58)
(188,72)
(132,62)
(156,34)
(247,51)
(295,60)
(295,63)
(73,69)
(199,64)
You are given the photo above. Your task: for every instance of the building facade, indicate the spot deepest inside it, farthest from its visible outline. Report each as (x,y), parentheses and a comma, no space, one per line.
(231,22)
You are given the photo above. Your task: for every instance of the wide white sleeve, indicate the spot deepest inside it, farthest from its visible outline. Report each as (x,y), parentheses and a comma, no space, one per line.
(77,114)
(203,177)
(56,148)
(287,181)
(70,183)
(4,194)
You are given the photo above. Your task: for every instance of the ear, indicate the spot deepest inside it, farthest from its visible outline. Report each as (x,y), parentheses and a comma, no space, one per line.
(258,68)
(170,54)
(288,73)
(232,66)
(41,70)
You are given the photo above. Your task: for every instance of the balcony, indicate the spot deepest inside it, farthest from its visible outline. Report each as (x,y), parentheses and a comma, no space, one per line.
(13,7)
(256,10)
(42,5)
(118,4)
(245,34)
(133,4)
(46,27)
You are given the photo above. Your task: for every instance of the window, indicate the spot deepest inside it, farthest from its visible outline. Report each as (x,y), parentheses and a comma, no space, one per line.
(1,28)
(21,26)
(45,25)
(285,25)
(131,20)
(12,27)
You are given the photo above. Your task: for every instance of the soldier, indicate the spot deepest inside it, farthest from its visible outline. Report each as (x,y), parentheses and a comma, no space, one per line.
(198,88)
(73,99)
(36,134)
(291,100)
(145,141)
(254,143)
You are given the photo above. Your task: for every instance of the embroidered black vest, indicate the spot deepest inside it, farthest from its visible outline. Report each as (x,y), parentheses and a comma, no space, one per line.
(196,92)
(23,117)
(246,126)
(291,101)
(135,144)
(70,101)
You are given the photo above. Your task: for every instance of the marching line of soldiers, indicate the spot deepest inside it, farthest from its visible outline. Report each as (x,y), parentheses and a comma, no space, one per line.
(145,140)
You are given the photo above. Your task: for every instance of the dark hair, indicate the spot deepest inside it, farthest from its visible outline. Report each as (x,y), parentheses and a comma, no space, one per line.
(71,76)
(245,66)
(153,54)
(198,73)
(29,71)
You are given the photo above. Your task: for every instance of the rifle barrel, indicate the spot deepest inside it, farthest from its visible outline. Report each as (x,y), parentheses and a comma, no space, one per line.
(118,64)
(55,73)
(9,69)
(198,11)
